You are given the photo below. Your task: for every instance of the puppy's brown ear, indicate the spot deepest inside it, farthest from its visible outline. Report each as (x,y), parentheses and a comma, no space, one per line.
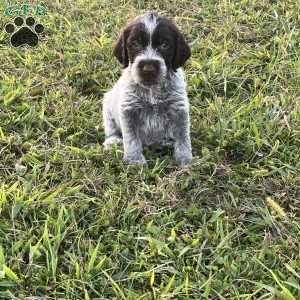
(182,51)
(120,49)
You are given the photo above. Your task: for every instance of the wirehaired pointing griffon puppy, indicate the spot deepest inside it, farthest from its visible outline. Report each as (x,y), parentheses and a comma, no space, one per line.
(149,106)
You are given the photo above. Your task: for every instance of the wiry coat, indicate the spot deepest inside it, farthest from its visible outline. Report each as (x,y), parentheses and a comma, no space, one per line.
(149,105)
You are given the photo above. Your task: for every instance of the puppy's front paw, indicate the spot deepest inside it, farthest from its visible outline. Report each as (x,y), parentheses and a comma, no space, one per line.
(183,161)
(135,160)
(113,140)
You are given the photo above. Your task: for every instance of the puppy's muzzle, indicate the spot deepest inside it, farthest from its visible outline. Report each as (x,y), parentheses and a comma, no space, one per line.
(149,70)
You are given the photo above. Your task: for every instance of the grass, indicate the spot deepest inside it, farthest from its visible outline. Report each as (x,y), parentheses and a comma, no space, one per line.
(78,224)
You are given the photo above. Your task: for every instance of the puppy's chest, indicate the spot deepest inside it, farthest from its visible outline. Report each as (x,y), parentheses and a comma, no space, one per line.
(154,113)
(155,124)
(154,117)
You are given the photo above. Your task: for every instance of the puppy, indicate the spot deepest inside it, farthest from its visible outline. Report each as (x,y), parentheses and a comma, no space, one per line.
(149,104)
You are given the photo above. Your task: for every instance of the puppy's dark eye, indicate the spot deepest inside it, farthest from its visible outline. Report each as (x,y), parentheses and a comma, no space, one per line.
(164,45)
(136,44)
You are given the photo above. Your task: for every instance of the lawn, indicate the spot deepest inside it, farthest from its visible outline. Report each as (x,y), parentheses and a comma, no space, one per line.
(76,223)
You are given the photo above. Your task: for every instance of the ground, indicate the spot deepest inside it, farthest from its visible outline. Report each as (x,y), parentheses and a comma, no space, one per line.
(78,224)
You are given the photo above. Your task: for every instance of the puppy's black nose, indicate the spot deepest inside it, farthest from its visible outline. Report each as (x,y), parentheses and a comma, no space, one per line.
(149,66)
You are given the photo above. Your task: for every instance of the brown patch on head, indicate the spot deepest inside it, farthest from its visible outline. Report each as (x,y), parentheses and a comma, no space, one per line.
(178,51)
(134,27)
(120,48)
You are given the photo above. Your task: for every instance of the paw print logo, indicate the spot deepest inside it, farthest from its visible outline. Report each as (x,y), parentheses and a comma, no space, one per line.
(24,33)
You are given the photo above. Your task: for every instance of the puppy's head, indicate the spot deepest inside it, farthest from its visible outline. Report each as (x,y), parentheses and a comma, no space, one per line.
(151,46)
